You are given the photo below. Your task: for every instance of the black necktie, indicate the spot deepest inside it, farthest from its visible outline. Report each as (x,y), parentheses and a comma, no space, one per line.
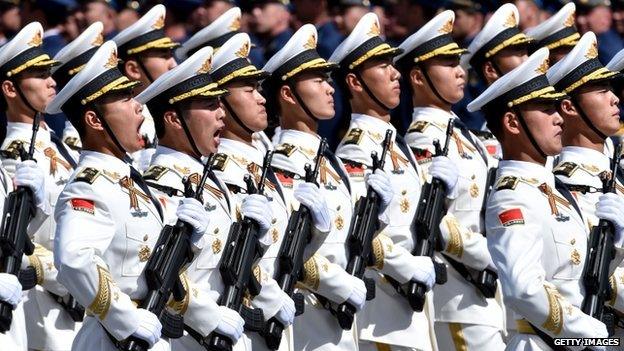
(400,142)
(138,180)
(466,133)
(214,179)
(62,150)
(334,162)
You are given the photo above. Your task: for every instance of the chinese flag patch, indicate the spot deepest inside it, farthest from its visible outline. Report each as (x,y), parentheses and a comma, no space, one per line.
(83,205)
(422,155)
(285,180)
(491,149)
(511,217)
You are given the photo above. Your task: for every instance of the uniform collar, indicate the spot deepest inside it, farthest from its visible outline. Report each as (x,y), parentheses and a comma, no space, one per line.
(372,124)
(434,114)
(591,159)
(179,161)
(301,139)
(242,152)
(96,159)
(532,172)
(304,152)
(21,130)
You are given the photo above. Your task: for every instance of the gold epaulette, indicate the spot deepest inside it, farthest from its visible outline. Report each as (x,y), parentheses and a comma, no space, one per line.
(219,162)
(507,182)
(14,149)
(285,149)
(155,172)
(418,127)
(354,136)
(87,175)
(565,168)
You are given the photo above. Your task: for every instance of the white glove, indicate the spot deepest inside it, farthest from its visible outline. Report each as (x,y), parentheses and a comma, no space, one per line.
(424,270)
(257,207)
(444,169)
(309,195)
(28,174)
(231,324)
(286,313)
(357,298)
(193,212)
(149,327)
(380,182)
(611,207)
(10,289)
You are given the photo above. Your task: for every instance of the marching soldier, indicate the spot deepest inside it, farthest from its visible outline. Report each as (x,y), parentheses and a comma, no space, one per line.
(146,53)
(27,88)
(299,93)
(108,220)
(558,34)
(466,319)
(72,59)
(182,141)
(536,237)
(367,74)
(591,116)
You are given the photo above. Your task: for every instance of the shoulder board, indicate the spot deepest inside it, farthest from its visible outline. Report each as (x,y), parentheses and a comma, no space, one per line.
(155,172)
(565,168)
(285,149)
(418,127)
(13,150)
(219,162)
(483,134)
(354,136)
(507,182)
(87,175)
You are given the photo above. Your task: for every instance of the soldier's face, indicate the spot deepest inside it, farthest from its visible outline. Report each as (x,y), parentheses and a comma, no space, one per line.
(600,105)
(204,117)
(448,78)
(158,62)
(383,80)
(557,54)
(545,124)
(123,114)
(38,87)
(248,104)
(316,92)
(510,58)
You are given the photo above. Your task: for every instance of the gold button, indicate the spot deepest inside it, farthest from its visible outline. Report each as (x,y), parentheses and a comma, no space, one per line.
(575,257)
(473,177)
(573,241)
(275,235)
(216,246)
(339,222)
(405,205)
(403,192)
(274,220)
(216,231)
(338,208)
(145,237)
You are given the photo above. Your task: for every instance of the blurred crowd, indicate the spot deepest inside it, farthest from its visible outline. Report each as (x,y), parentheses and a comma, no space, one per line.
(270,23)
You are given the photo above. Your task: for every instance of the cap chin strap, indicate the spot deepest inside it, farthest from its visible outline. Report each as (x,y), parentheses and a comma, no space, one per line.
(587,120)
(110,133)
(187,131)
(149,77)
(235,116)
(528,133)
(303,105)
(23,97)
(370,92)
(433,87)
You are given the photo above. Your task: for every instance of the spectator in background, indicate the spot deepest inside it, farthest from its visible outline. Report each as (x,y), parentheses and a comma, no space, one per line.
(129,14)
(271,20)
(10,19)
(595,16)
(617,6)
(530,14)
(59,29)
(316,12)
(469,17)
(100,10)
(348,13)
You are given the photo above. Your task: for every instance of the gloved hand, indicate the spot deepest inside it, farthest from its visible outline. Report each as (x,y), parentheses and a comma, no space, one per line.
(611,207)
(193,212)
(286,313)
(10,289)
(309,195)
(357,298)
(380,182)
(149,327)
(28,174)
(444,169)
(424,270)
(231,324)
(257,207)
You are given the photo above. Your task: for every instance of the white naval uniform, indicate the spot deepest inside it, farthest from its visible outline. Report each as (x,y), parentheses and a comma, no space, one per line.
(169,167)
(458,304)
(107,229)
(388,319)
(583,166)
(538,243)
(317,328)
(49,326)
(234,160)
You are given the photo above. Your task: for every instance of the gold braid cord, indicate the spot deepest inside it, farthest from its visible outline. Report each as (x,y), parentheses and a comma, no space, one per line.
(455,245)
(311,274)
(554,322)
(102,301)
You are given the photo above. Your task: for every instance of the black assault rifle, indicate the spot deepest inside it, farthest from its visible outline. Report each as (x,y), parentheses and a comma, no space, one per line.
(236,266)
(290,256)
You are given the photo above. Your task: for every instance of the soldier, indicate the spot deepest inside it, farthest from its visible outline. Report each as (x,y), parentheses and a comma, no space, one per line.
(72,59)
(183,140)
(591,116)
(558,34)
(27,88)
(271,23)
(108,219)
(146,53)
(536,237)
(367,74)
(465,318)
(299,93)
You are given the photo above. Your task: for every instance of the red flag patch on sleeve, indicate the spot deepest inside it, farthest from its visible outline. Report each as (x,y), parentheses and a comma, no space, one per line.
(354,169)
(491,149)
(83,205)
(284,179)
(422,155)
(511,217)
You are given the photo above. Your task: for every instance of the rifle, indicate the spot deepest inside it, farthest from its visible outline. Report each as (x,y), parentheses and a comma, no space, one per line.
(426,229)
(19,209)
(240,252)
(290,256)
(601,252)
(364,225)
(162,271)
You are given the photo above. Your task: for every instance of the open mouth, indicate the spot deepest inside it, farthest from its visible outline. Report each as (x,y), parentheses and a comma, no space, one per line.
(217,135)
